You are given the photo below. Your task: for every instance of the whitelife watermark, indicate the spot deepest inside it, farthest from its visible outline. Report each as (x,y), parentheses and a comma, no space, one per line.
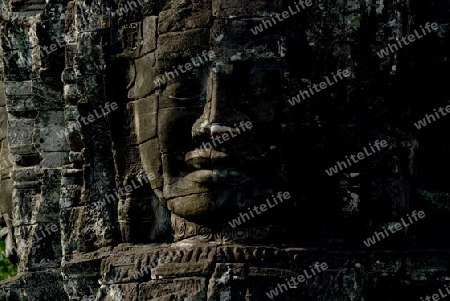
(423,122)
(123,9)
(319,87)
(398,226)
(361,155)
(110,107)
(411,38)
(22,62)
(281,196)
(301,278)
(49,228)
(168,75)
(283,16)
(218,138)
(437,297)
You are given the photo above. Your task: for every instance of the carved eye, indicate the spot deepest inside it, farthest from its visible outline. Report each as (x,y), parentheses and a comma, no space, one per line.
(185,92)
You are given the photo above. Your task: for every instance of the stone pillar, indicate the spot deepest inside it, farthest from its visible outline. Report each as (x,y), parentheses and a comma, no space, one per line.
(32,57)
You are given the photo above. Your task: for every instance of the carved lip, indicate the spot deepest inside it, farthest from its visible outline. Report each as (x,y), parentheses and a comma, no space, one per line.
(210,159)
(213,176)
(207,158)
(224,168)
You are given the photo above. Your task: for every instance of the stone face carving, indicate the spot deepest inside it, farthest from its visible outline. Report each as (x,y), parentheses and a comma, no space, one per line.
(226,114)
(204,182)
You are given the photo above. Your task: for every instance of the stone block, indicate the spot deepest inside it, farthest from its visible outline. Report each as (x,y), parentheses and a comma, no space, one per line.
(2,94)
(20,132)
(54,159)
(6,196)
(149,26)
(131,40)
(19,89)
(174,20)
(193,288)
(145,116)
(18,105)
(3,123)
(48,94)
(145,74)
(180,47)
(24,202)
(50,123)
(151,160)
(6,160)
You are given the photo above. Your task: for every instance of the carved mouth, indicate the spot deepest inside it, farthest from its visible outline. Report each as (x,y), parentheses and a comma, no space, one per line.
(207,158)
(224,168)
(219,173)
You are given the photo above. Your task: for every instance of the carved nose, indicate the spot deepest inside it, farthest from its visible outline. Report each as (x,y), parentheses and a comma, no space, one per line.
(219,130)
(219,117)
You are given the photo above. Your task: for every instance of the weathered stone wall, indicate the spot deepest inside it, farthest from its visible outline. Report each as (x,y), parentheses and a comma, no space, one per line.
(107,193)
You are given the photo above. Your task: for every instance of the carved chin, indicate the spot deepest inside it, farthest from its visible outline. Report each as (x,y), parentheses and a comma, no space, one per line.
(199,195)
(195,207)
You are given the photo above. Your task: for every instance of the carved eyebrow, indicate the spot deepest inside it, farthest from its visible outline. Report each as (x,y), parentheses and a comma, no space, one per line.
(184,98)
